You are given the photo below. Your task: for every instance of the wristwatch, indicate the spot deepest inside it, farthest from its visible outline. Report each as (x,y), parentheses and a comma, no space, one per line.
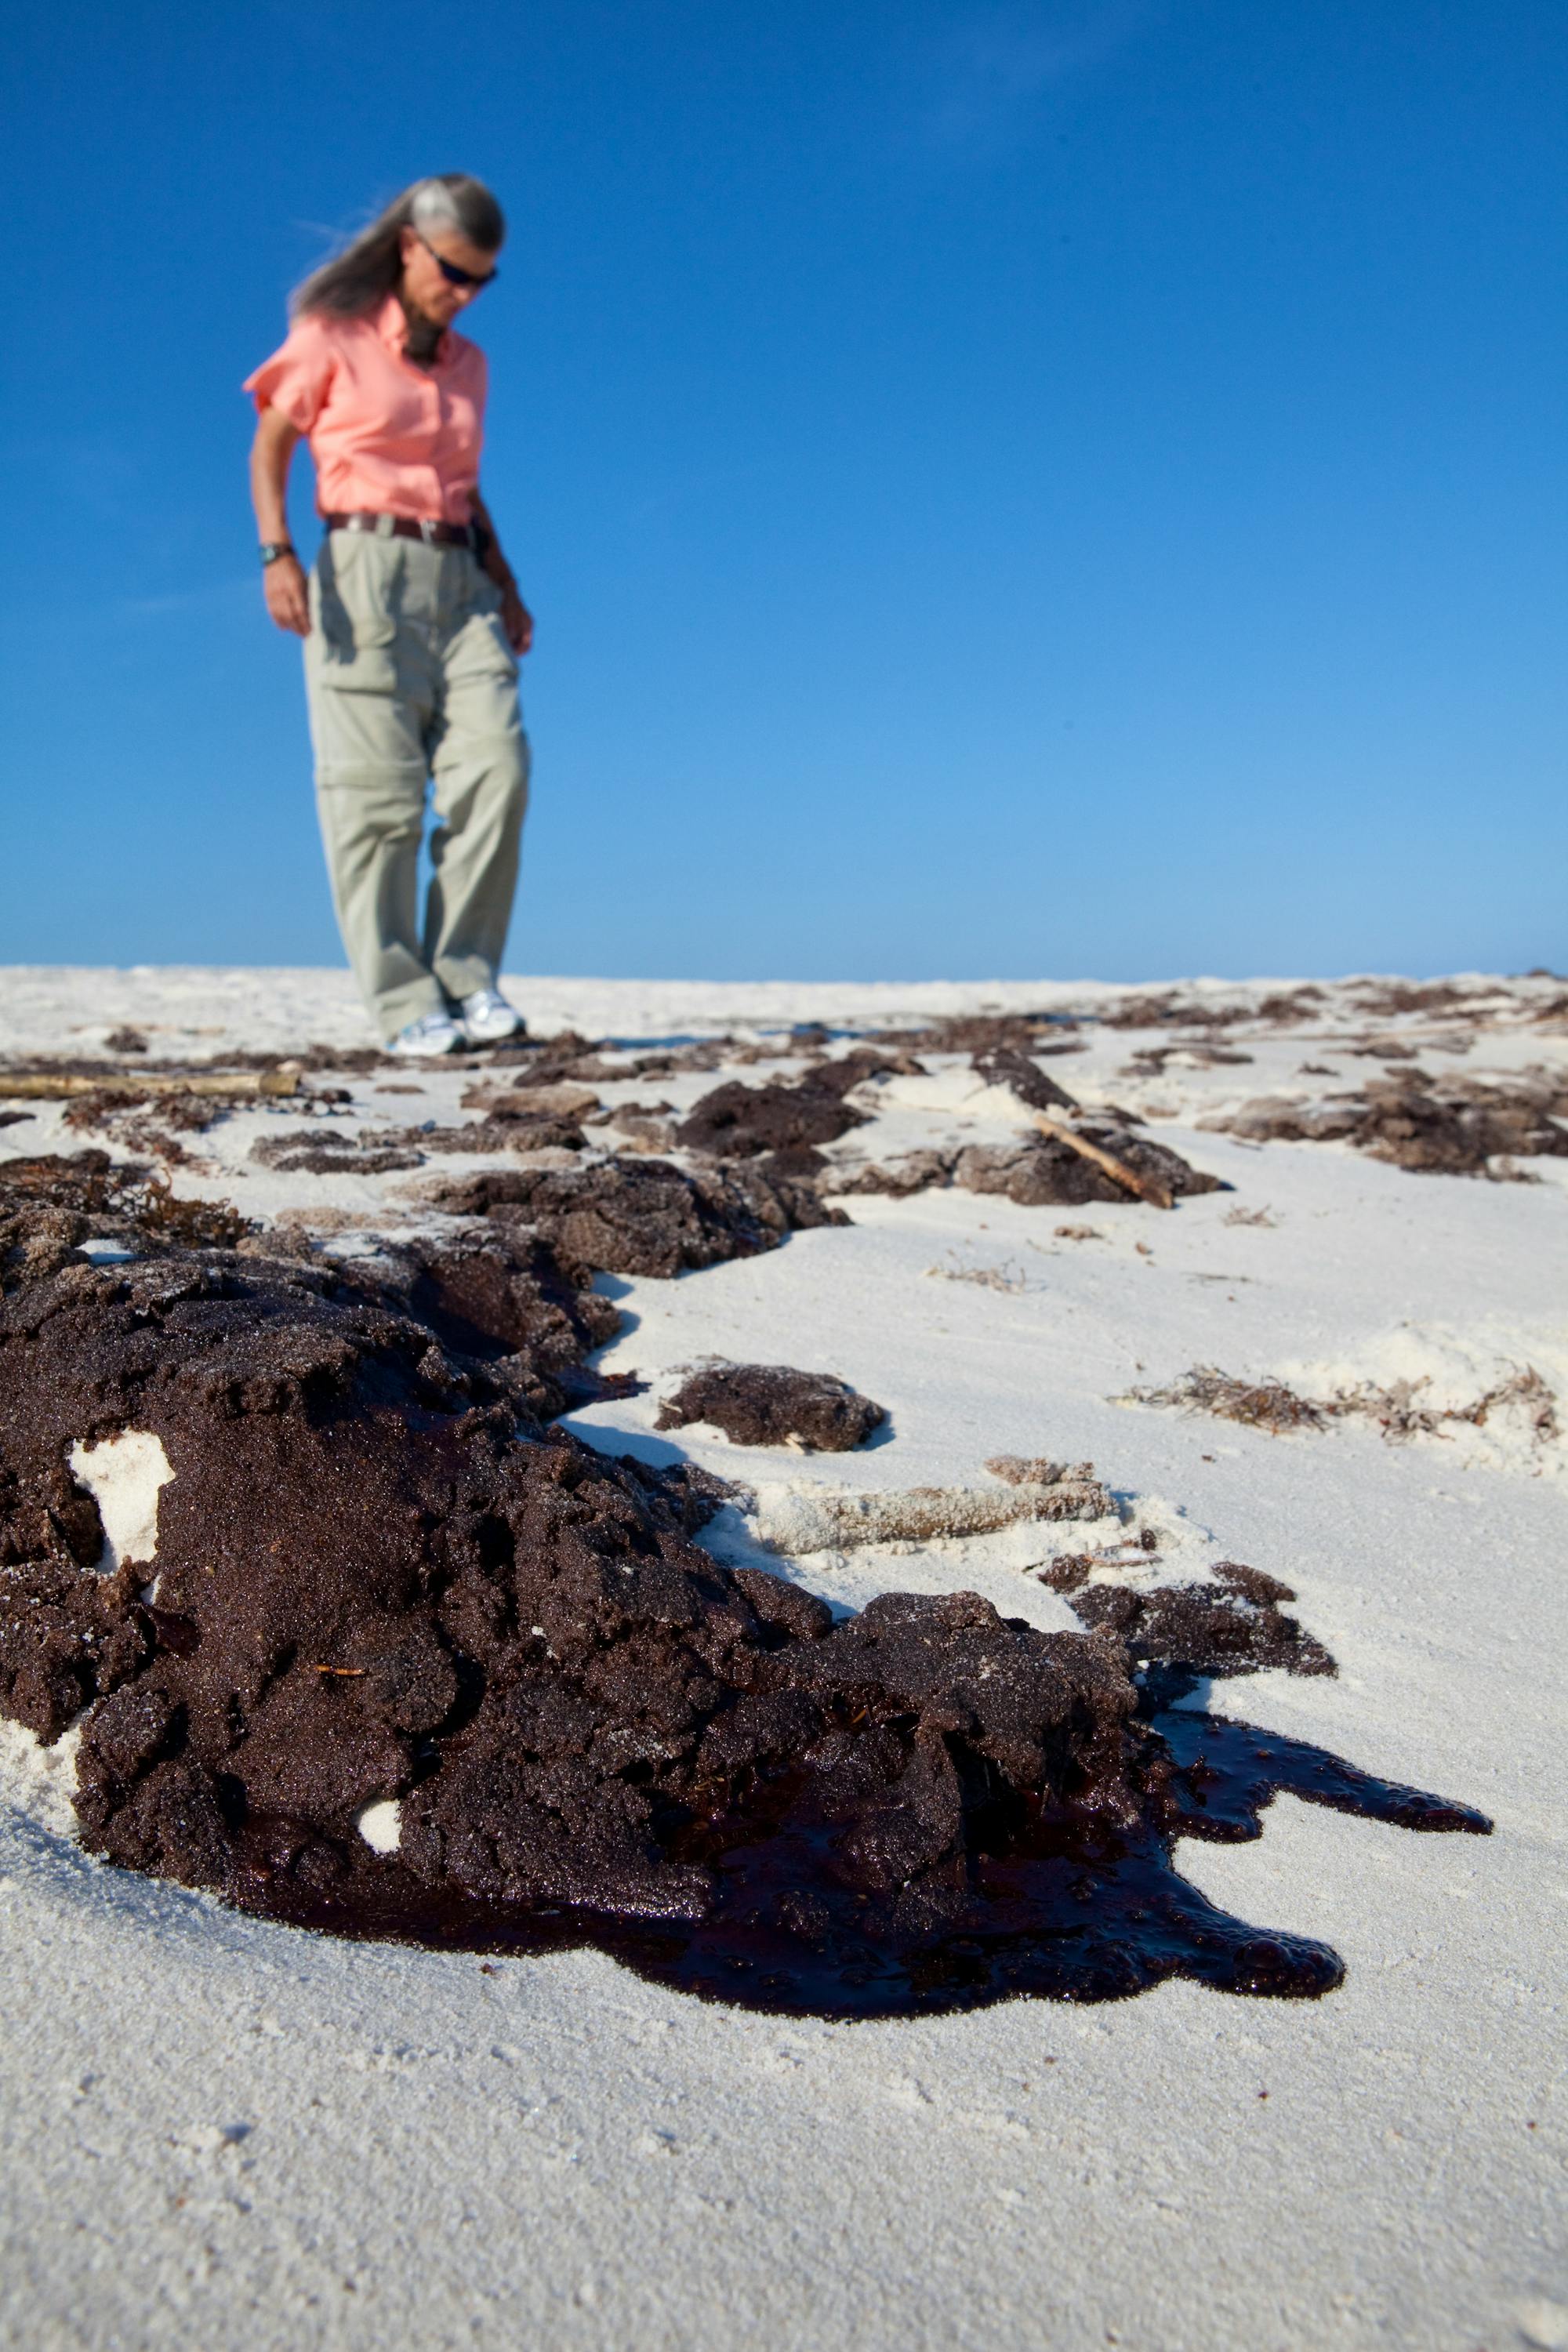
(271,549)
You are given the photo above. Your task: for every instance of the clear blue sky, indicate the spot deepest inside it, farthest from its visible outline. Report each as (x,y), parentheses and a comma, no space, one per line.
(1066,487)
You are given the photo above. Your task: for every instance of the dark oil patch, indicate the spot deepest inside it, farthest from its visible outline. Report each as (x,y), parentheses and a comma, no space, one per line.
(1066,1905)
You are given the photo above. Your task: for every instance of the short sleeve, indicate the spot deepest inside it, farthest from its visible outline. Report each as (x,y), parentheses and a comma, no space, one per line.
(295,380)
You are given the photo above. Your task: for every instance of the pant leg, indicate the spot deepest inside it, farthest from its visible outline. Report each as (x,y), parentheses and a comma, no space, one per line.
(369,683)
(480,764)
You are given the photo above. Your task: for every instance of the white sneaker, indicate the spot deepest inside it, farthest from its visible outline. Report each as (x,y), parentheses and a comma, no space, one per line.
(488,1019)
(431,1035)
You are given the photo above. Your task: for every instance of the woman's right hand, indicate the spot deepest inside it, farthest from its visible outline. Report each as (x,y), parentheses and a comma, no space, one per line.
(288,597)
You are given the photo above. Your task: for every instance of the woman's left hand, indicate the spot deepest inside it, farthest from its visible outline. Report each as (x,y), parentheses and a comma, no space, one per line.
(516,619)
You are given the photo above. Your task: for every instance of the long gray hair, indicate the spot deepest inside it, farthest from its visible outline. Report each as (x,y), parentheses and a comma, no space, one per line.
(367,270)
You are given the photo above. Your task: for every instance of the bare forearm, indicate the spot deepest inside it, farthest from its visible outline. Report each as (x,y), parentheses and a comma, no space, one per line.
(493,561)
(516,618)
(271,453)
(283,582)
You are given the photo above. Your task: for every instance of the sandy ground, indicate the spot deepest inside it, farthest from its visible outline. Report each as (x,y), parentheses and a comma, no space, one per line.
(221,2132)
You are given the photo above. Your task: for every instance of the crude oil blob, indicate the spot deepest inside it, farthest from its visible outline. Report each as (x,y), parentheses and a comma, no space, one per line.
(1062,1903)
(769,1405)
(382,1580)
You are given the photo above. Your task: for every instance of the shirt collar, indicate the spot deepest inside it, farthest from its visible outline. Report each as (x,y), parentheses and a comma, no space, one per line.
(393,328)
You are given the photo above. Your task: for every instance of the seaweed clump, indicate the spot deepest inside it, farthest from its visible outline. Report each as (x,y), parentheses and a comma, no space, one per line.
(1400,1410)
(1266,1405)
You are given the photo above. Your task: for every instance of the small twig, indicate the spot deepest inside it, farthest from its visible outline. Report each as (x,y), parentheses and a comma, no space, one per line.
(342,1670)
(1145,1187)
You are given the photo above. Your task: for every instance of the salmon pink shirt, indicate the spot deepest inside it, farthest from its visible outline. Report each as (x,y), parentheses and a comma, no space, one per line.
(387,437)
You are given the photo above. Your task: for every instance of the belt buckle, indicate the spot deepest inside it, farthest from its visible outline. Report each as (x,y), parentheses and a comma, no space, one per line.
(427,530)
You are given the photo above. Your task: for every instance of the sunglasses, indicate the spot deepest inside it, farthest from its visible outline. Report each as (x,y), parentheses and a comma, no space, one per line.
(450,271)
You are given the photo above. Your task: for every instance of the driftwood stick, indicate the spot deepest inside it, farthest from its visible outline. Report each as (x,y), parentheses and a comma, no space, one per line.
(31,1085)
(1145,1187)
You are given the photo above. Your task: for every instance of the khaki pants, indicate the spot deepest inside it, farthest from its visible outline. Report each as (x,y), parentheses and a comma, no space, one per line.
(410,679)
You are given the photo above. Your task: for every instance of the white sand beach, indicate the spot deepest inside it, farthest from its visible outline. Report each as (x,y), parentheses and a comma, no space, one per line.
(219,2131)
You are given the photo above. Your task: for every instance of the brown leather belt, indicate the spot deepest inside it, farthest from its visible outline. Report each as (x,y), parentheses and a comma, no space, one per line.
(385,526)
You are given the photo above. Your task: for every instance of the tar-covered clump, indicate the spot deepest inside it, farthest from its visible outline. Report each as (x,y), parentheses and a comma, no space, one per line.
(51,1207)
(331,1152)
(1038,1171)
(738,1122)
(1234,1625)
(770,1404)
(501,1294)
(642,1216)
(386,1593)
(1427,1125)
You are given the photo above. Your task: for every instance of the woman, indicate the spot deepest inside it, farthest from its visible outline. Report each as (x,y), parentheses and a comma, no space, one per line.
(411,620)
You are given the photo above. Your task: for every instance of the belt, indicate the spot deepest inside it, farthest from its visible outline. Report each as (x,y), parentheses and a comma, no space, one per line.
(385,526)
